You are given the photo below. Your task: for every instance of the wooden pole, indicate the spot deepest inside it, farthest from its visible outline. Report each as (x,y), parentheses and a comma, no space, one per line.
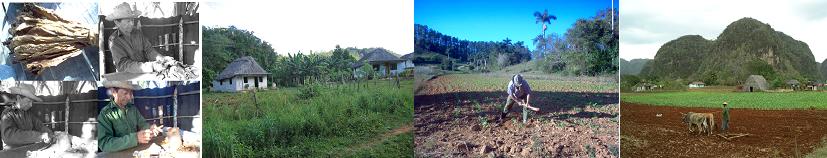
(66,115)
(174,106)
(181,39)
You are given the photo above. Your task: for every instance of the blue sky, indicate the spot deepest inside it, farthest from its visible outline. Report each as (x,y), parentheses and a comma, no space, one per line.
(490,20)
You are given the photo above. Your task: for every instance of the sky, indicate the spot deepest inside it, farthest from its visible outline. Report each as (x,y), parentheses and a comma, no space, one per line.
(490,20)
(148,9)
(317,25)
(645,25)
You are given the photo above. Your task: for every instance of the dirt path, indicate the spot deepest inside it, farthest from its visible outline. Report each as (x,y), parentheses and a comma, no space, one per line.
(775,133)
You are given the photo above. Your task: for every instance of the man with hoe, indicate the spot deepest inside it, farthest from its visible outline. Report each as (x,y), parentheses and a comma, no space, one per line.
(519,92)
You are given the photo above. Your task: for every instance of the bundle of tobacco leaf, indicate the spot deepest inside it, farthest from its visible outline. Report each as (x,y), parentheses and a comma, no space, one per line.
(41,39)
(178,71)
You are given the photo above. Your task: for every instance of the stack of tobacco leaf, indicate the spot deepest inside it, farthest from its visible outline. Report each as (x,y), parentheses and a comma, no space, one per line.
(41,39)
(178,71)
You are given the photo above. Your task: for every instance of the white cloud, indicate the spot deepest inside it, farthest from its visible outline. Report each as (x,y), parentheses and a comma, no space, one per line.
(317,25)
(648,24)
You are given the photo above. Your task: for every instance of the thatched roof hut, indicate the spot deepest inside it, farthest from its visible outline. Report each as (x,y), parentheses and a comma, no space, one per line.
(755,83)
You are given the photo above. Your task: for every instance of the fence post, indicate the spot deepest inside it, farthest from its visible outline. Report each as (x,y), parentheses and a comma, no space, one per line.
(66,115)
(174,106)
(181,39)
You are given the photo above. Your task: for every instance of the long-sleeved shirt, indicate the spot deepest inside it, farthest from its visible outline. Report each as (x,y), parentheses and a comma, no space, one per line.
(522,93)
(118,128)
(132,53)
(21,127)
(725,114)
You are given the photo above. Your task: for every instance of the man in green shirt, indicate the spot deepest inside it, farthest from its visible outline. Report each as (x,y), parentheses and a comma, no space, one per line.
(131,51)
(725,119)
(120,124)
(19,126)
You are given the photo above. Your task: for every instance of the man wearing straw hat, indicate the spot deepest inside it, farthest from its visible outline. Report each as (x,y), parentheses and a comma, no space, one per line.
(19,126)
(120,125)
(131,51)
(725,119)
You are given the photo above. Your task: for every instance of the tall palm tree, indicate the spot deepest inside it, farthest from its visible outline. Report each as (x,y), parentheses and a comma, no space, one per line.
(544,18)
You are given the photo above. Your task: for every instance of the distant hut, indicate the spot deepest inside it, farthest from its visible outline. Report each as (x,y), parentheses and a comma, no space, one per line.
(793,84)
(408,64)
(696,84)
(755,83)
(385,63)
(813,85)
(640,87)
(243,73)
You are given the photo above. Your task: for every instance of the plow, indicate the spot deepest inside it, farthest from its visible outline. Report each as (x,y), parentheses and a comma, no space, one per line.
(731,136)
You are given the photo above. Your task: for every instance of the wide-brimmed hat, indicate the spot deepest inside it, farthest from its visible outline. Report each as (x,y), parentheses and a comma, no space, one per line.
(123,11)
(121,84)
(25,90)
(518,80)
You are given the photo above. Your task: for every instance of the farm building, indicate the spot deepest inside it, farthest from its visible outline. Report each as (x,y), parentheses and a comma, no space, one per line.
(793,84)
(644,87)
(814,85)
(408,64)
(243,73)
(384,63)
(696,84)
(755,83)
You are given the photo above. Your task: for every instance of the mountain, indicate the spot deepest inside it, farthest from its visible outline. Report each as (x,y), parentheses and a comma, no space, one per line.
(823,69)
(632,67)
(678,58)
(746,47)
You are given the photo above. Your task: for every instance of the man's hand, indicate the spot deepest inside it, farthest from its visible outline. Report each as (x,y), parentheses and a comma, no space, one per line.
(167,61)
(158,67)
(144,136)
(45,137)
(164,58)
(156,130)
(529,106)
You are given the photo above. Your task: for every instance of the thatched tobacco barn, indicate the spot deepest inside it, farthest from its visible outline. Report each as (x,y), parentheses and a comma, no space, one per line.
(755,83)
(243,73)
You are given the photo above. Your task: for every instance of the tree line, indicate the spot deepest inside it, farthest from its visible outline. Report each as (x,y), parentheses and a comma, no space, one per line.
(223,45)
(433,47)
(589,47)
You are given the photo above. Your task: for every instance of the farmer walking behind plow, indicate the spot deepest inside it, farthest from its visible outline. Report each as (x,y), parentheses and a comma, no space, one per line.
(725,119)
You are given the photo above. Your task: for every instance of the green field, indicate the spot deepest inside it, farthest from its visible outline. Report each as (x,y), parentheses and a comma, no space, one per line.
(756,100)
(338,121)
(495,81)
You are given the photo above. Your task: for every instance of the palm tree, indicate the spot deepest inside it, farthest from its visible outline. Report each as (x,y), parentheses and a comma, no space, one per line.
(544,18)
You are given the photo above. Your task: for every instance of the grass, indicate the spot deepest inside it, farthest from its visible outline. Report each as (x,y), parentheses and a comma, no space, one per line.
(819,152)
(294,124)
(398,146)
(755,100)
